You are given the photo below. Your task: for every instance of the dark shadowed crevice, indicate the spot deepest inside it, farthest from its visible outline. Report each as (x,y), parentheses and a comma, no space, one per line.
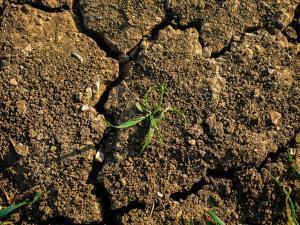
(225,174)
(100,106)
(43,8)
(2,8)
(252,29)
(182,195)
(246,222)
(273,156)
(110,216)
(296,22)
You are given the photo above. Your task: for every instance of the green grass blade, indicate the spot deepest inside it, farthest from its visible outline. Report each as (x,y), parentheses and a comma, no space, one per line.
(129,123)
(146,96)
(293,169)
(217,219)
(149,135)
(162,90)
(191,222)
(6,211)
(296,173)
(139,107)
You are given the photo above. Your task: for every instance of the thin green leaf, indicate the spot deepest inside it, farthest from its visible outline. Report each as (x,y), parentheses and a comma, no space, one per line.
(297,207)
(149,136)
(155,124)
(290,158)
(162,90)
(293,169)
(146,96)
(191,222)
(6,211)
(129,123)
(217,219)
(291,208)
(296,173)
(139,107)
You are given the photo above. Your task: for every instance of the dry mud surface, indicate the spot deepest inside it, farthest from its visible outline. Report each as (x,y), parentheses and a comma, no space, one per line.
(232,67)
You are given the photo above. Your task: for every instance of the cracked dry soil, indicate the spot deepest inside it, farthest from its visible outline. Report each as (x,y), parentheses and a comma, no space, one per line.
(231,66)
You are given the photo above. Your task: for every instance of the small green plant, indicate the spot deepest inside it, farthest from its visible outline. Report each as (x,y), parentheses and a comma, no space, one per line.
(8,210)
(154,114)
(215,218)
(292,206)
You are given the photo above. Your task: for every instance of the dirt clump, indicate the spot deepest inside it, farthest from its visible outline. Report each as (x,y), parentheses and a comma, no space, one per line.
(48,124)
(228,101)
(122,24)
(221,21)
(250,195)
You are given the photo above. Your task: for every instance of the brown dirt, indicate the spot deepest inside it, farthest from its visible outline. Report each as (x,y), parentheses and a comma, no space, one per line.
(42,77)
(231,66)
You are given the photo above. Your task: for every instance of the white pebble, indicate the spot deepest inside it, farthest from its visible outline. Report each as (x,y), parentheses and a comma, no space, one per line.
(99,156)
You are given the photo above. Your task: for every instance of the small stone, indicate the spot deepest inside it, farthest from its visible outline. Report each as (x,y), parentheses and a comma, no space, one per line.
(293,151)
(99,156)
(295,108)
(13,82)
(89,92)
(21,149)
(123,181)
(192,142)
(77,56)
(32,133)
(236,38)
(84,108)
(28,48)
(275,117)
(160,194)
(21,107)
(206,52)
(53,148)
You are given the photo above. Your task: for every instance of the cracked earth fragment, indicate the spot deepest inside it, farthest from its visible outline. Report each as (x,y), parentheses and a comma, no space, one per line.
(228,101)
(49,71)
(221,21)
(249,195)
(122,23)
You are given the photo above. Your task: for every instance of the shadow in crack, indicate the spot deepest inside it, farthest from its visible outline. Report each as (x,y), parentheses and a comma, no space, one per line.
(182,195)
(42,7)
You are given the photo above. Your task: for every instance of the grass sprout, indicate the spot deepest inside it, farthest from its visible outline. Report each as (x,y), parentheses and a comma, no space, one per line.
(292,206)
(153,114)
(292,168)
(8,210)
(215,218)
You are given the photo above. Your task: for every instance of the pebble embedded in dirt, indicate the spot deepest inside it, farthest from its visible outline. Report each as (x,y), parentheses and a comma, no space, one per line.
(122,24)
(48,141)
(275,117)
(13,82)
